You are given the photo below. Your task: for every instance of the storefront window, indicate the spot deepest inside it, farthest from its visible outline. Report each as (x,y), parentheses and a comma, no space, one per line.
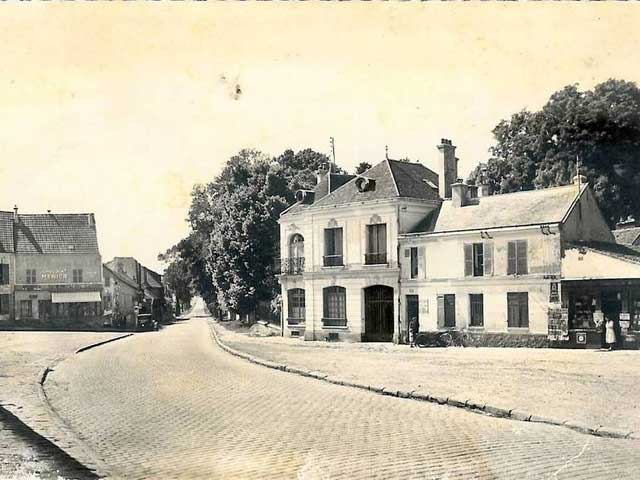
(582,314)
(634,310)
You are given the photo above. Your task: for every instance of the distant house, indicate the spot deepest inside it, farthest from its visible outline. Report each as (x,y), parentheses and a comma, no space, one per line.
(121,295)
(50,267)
(149,283)
(400,241)
(627,235)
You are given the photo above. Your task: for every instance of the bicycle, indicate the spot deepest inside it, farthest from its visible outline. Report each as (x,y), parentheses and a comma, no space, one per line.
(447,338)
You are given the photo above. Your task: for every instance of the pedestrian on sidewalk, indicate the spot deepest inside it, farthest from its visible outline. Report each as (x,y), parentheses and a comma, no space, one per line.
(610,335)
(413,331)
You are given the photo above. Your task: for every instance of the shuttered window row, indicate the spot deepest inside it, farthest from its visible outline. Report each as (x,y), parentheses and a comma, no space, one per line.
(517,310)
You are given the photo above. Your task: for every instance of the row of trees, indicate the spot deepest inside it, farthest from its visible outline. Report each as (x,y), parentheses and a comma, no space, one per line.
(228,258)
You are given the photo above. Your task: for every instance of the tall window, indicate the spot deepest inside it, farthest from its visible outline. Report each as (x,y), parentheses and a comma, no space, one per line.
(332,247)
(517,257)
(4,274)
(77,275)
(476,302)
(31,276)
(25,309)
(296,305)
(334,306)
(518,310)
(478,259)
(414,262)
(107,281)
(4,304)
(376,244)
(446,310)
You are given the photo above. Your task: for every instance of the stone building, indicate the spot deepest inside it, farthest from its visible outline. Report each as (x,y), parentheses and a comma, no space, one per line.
(121,294)
(51,267)
(361,259)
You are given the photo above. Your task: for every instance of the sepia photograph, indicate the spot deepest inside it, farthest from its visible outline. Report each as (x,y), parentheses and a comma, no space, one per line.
(319,240)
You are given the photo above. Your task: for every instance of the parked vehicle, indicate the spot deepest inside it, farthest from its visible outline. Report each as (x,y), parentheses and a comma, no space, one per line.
(447,338)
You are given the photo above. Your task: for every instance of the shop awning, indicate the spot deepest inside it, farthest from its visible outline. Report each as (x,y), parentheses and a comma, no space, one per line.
(75,297)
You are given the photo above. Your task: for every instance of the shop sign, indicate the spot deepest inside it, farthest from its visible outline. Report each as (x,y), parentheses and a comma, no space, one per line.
(558,326)
(554,293)
(625,316)
(54,276)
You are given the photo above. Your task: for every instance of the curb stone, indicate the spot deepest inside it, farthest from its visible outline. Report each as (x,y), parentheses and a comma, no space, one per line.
(97,344)
(469,405)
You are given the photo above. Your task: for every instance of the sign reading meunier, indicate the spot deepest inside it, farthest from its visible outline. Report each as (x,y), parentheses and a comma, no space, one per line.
(55,276)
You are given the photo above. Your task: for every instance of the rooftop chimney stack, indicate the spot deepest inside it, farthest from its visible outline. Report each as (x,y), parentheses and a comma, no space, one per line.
(15,214)
(459,194)
(448,164)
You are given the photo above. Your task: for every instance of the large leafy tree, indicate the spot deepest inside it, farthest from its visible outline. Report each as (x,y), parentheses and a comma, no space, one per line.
(234,237)
(601,127)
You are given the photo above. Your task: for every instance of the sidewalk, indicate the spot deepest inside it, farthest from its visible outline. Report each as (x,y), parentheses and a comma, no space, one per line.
(587,387)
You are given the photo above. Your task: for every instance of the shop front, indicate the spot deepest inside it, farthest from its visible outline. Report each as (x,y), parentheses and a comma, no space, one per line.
(591,303)
(600,283)
(67,306)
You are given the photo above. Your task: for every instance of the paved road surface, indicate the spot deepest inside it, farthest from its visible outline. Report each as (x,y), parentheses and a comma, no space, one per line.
(173,405)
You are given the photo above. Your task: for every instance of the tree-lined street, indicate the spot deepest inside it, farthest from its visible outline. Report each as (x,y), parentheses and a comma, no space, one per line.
(180,407)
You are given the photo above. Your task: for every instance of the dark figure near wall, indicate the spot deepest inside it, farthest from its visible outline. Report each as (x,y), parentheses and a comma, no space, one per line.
(413,331)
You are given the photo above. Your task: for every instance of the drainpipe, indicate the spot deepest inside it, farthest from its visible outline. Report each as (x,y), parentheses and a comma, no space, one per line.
(399,270)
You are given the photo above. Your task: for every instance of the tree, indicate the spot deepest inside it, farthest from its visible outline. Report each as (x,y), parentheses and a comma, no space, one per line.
(362,167)
(177,277)
(601,127)
(234,237)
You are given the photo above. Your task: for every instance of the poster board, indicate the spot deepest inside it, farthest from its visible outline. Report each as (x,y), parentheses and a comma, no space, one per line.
(558,326)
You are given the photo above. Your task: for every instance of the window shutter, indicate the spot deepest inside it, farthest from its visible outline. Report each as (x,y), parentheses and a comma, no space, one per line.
(382,239)
(422,263)
(338,240)
(511,258)
(488,258)
(524,309)
(328,237)
(407,253)
(522,257)
(4,275)
(440,311)
(468,259)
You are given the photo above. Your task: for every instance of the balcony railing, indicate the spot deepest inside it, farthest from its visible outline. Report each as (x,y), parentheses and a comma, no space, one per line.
(292,266)
(332,260)
(334,322)
(375,258)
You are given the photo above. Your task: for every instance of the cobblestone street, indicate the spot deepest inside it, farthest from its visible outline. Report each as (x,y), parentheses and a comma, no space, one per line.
(174,405)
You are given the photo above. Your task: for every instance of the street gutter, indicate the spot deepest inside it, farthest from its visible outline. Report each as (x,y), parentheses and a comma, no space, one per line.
(467,404)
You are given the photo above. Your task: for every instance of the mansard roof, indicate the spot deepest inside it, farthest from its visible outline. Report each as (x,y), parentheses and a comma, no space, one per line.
(532,207)
(392,179)
(48,233)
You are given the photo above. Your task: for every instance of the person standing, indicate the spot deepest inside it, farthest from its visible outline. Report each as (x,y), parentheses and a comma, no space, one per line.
(413,331)
(610,335)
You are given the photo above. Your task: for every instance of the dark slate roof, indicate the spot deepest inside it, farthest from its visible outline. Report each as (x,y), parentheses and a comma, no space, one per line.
(393,179)
(6,232)
(321,190)
(627,236)
(50,233)
(121,277)
(532,207)
(154,280)
(622,252)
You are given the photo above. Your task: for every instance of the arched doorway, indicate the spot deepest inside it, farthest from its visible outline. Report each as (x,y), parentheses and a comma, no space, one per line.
(378,314)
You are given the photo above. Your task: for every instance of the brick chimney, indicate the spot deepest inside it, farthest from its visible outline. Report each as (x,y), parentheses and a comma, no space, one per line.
(16,220)
(459,194)
(448,164)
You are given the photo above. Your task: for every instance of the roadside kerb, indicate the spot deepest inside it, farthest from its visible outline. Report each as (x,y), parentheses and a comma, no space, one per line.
(470,405)
(97,344)
(71,438)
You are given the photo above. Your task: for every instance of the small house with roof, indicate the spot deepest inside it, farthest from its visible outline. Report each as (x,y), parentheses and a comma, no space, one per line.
(362,258)
(51,267)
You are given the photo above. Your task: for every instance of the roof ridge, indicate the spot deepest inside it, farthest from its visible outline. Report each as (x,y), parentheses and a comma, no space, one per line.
(393,176)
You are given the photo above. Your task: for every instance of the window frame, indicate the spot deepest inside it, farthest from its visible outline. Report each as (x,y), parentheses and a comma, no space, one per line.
(517,309)
(296,294)
(5,304)
(376,247)
(517,257)
(30,276)
(4,274)
(473,302)
(337,295)
(77,275)
(28,303)
(414,269)
(333,247)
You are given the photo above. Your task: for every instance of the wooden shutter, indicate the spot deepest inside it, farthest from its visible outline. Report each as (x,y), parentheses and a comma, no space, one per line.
(422,263)
(511,258)
(328,241)
(338,241)
(521,254)
(488,258)
(468,259)
(524,309)
(407,253)
(440,311)
(4,274)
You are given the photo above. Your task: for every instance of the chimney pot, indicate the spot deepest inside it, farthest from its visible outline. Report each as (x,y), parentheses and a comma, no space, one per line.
(448,168)
(459,194)
(15,213)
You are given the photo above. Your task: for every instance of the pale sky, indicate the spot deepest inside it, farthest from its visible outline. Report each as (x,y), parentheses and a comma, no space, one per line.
(119,108)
